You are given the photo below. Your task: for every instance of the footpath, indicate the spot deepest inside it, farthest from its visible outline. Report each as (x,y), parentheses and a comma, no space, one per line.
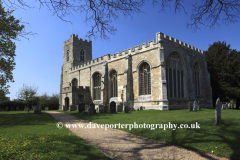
(122,145)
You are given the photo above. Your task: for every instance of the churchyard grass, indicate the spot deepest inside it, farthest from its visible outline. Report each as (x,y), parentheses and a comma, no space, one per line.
(223,140)
(35,136)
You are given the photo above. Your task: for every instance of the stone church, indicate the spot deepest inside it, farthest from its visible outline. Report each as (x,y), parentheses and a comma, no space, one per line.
(162,75)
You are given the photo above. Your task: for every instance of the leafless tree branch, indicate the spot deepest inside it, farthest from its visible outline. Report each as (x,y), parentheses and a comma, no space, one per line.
(101,13)
(209,13)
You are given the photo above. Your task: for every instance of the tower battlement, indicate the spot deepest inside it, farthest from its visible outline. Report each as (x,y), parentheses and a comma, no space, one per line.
(74,37)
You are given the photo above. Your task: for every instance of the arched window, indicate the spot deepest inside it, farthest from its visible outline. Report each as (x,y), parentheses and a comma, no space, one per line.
(67,55)
(145,79)
(74,82)
(196,78)
(97,86)
(113,80)
(174,75)
(82,55)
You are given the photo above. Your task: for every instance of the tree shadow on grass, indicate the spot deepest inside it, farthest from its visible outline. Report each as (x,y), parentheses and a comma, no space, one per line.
(45,139)
(23,119)
(224,135)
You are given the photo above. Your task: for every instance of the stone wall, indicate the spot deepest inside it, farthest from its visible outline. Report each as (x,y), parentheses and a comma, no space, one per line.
(127,65)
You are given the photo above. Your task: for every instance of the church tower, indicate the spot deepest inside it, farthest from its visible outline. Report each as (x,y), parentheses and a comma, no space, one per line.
(76,51)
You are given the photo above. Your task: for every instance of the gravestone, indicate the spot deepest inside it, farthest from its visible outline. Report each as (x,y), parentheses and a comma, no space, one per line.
(229,105)
(100,109)
(92,105)
(141,108)
(223,106)
(84,113)
(112,107)
(90,111)
(72,108)
(64,108)
(34,108)
(81,107)
(138,109)
(46,108)
(105,109)
(126,109)
(17,108)
(226,106)
(199,106)
(6,108)
(218,112)
(195,105)
(190,107)
(37,111)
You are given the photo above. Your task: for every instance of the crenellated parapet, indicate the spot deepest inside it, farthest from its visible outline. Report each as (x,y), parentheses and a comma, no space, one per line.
(74,37)
(160,38)
(92,62)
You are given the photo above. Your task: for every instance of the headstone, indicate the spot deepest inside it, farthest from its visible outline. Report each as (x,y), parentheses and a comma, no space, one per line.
(90,111)
(34,108)
(64,108)
(6,108)
(37,111)
(229,105)
(60,108)
(138,109)
(100,109)
(105,109)
(141,108)
(81,107)
(72,108)
(17,108)
(46,108)
(190,107)
(92,105)
(84,113)
(195,105)
(199,106)
(218,112)
(226,106)
(126,109)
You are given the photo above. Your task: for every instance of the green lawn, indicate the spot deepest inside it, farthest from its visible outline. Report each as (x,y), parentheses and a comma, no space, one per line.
(35,136)
(223,140)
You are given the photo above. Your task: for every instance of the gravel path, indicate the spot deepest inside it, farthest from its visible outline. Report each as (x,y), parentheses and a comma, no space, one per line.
(118,144)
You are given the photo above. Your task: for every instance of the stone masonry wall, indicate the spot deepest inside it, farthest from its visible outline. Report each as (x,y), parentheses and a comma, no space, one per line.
(146,53)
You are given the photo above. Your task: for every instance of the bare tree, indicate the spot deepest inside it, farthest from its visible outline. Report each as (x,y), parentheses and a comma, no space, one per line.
(101,13)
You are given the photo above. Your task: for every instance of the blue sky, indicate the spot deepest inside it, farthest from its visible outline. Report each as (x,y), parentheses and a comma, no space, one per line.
(39,59)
